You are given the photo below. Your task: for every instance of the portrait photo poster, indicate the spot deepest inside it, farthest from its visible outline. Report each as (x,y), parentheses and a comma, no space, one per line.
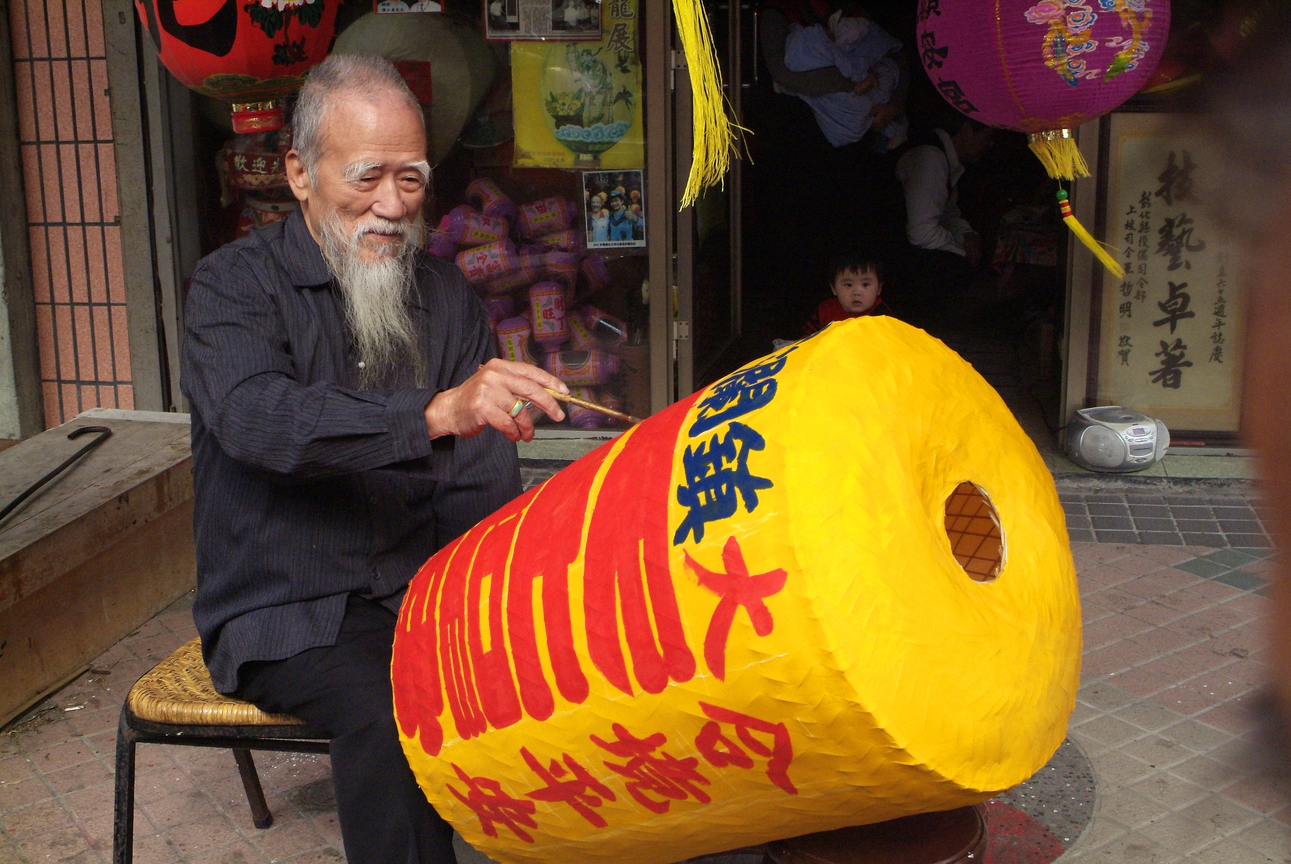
(614,209)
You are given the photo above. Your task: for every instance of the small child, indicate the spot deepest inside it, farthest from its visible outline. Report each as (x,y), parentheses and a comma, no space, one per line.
(857,282)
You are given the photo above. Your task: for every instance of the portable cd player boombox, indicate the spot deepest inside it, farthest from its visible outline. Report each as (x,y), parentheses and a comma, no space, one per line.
(1113,438)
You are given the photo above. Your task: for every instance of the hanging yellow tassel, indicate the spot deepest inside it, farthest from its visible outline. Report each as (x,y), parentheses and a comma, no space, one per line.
(1085,237)
(1057,151)
(714,133)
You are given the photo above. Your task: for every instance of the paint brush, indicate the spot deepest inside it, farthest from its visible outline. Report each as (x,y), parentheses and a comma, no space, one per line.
(592,406)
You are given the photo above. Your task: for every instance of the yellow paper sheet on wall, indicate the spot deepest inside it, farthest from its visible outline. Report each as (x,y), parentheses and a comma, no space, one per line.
(578,104)
(832,588)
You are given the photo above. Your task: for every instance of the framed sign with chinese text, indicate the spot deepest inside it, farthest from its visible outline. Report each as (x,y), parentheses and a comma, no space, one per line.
(1170,334)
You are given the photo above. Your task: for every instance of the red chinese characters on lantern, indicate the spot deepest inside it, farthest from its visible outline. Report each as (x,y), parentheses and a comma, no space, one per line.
(720,751)
(625,544)
(737,588)
(650,774)
(467,634)
(581,791)
(495,807)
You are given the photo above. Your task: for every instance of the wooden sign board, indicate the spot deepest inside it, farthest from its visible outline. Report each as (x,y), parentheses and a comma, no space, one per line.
(1170,336)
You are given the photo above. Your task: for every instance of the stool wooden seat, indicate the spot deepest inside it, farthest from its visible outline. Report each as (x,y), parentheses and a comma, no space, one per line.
(176,703)
(949,837)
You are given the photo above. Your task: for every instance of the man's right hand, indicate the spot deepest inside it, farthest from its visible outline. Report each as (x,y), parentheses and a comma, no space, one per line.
(488,397)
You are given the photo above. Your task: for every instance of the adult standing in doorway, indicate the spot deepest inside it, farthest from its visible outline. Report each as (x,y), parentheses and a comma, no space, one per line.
(944,255)
(349,419)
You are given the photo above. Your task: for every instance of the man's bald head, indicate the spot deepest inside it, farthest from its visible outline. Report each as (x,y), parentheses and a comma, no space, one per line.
(338,78)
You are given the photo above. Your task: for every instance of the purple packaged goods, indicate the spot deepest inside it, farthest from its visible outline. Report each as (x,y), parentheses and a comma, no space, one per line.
(582,367)
(545,217)
(489,199)
(580,417)
(562,267)
(547,305)
(513,340)
(580,336)
(521,277)
(441,247)
(607,329)
(596,272)
(466,227)
(499,309)
(483,264)
(534,257)
(570,240)
(610,400)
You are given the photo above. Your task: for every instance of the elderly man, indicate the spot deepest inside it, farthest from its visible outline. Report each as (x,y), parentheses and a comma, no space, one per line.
(349,419)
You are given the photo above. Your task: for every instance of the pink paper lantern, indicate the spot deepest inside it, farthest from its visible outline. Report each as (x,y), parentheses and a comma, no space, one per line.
(1041,66)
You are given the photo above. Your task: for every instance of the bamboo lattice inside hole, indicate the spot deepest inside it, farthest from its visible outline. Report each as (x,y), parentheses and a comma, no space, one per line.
(973,527)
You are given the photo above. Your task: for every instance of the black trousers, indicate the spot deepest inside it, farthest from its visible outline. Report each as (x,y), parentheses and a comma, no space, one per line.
(344,690)
(932,288)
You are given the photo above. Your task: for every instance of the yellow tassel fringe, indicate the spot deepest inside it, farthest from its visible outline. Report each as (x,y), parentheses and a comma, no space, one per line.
(715,137)
(1058,152)
(1099,250)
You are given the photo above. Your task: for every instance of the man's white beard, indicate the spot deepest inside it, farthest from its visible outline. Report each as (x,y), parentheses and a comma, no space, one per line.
(376,293)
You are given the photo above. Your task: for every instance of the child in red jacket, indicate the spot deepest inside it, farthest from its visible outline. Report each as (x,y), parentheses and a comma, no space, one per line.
(857,282)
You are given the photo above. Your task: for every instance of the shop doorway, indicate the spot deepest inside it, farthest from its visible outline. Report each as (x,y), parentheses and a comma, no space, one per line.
(752,256)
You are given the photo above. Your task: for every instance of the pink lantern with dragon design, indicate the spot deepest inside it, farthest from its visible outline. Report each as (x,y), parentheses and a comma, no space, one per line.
(1042,67)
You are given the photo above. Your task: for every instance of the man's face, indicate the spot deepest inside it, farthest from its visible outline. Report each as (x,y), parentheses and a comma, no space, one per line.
(973,144)
(857,292)
(371,178)
(616,204)
(596,204)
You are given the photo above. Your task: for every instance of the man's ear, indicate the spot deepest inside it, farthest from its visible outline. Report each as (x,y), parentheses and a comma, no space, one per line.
(297,176)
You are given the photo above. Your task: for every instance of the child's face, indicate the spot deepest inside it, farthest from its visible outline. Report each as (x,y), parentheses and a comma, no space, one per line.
(857,292)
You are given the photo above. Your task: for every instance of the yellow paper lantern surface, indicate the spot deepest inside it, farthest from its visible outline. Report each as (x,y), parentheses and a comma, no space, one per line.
(744,620)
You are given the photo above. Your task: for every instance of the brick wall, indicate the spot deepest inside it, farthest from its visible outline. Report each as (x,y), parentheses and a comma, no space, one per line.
(65,132)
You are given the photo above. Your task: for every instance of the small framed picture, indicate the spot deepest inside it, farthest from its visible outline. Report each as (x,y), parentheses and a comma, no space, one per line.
(502,19)
(523,20)
(614,209)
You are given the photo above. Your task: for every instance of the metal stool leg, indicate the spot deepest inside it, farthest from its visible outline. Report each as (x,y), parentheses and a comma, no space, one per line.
(123,817)
(260,814)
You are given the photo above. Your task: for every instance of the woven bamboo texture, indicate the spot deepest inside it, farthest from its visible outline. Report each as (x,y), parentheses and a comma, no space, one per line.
(179,690)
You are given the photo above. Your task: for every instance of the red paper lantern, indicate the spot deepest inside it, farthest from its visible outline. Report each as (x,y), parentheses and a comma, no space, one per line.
(1042,67)
(243,51)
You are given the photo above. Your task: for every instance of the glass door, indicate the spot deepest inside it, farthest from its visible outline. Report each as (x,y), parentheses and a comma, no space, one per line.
(708,260)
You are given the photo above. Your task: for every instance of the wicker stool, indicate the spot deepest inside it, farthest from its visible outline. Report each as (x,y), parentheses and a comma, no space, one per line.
(949,837)
(176,703)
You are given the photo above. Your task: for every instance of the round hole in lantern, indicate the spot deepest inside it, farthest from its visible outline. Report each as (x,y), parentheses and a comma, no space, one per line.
(973,527)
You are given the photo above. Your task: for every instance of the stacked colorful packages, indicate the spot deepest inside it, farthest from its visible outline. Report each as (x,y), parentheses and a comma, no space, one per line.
(534,257)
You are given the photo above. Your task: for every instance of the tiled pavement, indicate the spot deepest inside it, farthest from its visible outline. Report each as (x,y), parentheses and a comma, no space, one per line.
(1173,662)
(1165,518)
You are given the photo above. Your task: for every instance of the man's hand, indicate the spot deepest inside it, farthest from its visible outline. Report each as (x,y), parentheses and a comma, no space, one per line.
(866,84)
(972,247)
(489,396)
(883,115)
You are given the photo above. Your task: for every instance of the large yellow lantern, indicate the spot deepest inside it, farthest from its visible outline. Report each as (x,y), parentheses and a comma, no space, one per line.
(832,588)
